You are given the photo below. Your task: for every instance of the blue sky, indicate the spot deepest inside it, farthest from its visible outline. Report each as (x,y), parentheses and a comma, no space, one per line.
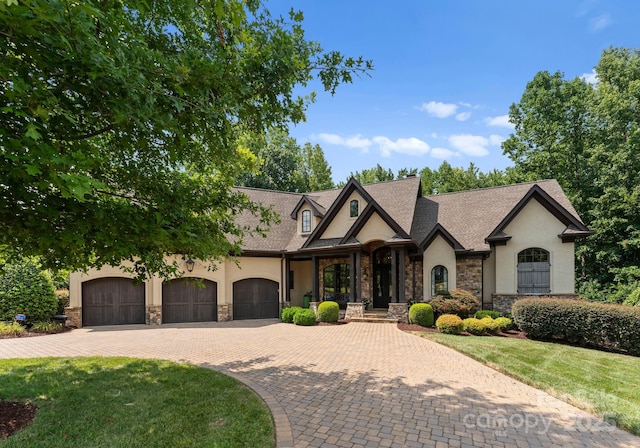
(445,73)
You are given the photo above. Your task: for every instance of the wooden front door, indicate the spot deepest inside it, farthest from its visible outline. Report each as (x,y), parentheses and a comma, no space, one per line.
(382,278)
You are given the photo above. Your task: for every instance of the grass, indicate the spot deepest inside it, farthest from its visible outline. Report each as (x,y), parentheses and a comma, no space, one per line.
(603,383)
(126,402)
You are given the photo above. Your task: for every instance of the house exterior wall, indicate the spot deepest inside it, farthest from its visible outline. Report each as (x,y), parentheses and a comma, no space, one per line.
(375,229)
(489,280)
(469,276)
(534,226)
(301,281)
(439,252)
(342,222)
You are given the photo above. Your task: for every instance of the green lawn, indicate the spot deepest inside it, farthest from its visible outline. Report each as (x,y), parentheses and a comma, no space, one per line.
(126,402)
(599,382)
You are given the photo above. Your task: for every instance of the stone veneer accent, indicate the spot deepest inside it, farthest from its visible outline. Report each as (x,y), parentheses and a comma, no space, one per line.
(398,311)
(469,276)
(354,309)
(74,316)
(225,313)
(314,306)
(503,302)
(153,315)
(409,287)
(322,264)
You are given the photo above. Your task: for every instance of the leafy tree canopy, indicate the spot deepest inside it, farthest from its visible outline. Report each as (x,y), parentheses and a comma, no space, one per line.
(588,137)
(119,123)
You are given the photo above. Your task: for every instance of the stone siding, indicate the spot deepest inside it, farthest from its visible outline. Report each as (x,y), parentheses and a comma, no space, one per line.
(414,280)
(503,302)
(74,316)
(366,277)
(469,276)
(225,313)
(398,311)
(153,315)
(354,310)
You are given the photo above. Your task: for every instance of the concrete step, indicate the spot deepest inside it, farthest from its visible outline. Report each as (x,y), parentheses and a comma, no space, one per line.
(377,320)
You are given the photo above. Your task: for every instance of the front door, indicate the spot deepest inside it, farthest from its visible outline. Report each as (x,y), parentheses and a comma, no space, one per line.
(381,278)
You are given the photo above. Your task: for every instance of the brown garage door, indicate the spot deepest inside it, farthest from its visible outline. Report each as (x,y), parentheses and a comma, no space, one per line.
(255,298)
(112,301)
(185,300)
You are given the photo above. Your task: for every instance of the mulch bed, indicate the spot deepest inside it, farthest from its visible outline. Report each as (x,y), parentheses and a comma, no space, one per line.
(413,327)
(15,416)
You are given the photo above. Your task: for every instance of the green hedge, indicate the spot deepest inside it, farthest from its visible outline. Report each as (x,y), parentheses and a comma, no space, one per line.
(25,289)
(287,314)
(305,317)
(474,326)
(486,313)
(328,311)
(421,314)
(450,324)
(580,322)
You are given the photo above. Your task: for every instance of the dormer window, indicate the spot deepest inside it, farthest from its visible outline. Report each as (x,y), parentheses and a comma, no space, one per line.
(306,221)
(354,209)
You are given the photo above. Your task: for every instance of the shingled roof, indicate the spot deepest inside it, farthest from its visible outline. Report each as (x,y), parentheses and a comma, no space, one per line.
(465,218)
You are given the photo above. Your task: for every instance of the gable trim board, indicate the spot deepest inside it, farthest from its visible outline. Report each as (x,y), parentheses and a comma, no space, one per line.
(462,231)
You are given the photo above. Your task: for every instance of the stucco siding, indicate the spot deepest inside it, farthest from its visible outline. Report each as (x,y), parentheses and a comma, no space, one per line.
(534,226)
(342,222)
(439,252)
(375,229)
(302,271)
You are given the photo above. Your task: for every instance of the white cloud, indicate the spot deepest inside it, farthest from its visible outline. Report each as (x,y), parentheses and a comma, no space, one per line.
(601,22)
(462,103)
(411,146)
(499,121)
(443,153)
(591,78)
(463,116)
(355,141)
(439,110)
(470,145)
(496,140)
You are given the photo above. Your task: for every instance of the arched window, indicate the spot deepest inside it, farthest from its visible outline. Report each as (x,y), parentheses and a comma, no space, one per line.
(306,221)
(439,280)
(354,208)
(336,281)
(534,271)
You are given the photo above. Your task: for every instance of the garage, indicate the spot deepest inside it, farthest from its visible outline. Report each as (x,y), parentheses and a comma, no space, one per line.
(188,300)
(255,298)
(112,301)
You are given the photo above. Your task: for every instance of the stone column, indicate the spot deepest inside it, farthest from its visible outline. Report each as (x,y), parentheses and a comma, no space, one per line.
(153,315)
(74,316)
(225,313)
(354,309)
(314,280)
(398,311)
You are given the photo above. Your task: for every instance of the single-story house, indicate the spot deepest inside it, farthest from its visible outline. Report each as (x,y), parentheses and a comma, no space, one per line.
(384,242)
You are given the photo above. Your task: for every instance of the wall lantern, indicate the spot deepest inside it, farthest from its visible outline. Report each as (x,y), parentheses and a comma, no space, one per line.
(190,264)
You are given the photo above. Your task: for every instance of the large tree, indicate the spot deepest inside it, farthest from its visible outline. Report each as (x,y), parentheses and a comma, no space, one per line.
(119,123)
(588,137)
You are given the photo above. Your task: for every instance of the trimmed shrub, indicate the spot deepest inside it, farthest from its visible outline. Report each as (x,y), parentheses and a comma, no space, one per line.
(481,314)
(421,314)
(328,311)
(491,326)
(602,325)
(504,323)
(25,289)
(467,299)
(474,326)
(11,329)
(450,324)
(45,327)
(305,317)
(287,314)
(443,305)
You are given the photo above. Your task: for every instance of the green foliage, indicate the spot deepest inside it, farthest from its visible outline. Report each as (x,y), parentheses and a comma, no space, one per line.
(450,324)
(421,314)
(474,326)
(131,113)
(592,290)
(601,325)
(486,313)
(305,317)
(25,289)
(63,300)
(287,314)
(504,323)
(317,172)
(491,325)
(466,298)
(328,311)
(11,329)
(447,179)
(45,327)
(587,137)
(373,175)
(634,298)
(458,301)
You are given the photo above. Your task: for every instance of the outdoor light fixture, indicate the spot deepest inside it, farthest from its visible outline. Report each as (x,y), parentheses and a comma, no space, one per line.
(190,264)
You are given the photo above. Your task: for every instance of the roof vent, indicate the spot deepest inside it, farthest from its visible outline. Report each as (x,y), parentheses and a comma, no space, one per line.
(411,175)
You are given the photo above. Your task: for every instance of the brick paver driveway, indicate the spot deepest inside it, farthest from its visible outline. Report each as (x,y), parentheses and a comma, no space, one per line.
(352,385)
